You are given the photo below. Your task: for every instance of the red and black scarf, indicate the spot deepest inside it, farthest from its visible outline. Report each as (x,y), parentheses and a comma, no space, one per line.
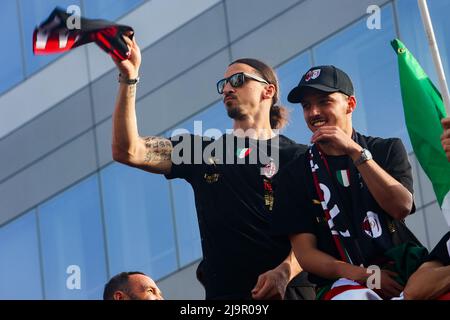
(54,35)
(358,235)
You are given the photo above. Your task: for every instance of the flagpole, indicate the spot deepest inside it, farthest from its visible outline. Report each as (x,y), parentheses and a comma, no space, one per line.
(435,53)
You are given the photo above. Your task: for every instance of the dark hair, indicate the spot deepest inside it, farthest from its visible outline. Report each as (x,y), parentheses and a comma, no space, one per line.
(118,282)
(279,115)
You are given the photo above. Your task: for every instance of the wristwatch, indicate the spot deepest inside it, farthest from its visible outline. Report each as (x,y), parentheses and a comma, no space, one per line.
(365,156)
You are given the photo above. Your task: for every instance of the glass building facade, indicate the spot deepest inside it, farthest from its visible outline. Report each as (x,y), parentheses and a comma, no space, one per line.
(69,210)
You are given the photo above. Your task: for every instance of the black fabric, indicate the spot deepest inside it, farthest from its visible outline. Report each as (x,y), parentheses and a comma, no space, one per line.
(323,78)
(344,217)
(299,288)
(106,34)
(404,260)
(401,233)
(232,210)
(297,209)
(441,252)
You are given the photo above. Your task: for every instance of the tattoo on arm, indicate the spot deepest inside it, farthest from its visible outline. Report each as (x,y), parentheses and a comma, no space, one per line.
(158,149)
(131,91)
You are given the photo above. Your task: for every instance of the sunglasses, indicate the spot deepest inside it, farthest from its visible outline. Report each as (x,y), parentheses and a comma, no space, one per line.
(237,80)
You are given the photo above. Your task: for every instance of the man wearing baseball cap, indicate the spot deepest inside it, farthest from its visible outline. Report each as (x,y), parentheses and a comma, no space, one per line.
(338,201)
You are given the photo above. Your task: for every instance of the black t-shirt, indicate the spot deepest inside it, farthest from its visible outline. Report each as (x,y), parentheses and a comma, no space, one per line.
(297,209)
(441,251)
(232,182)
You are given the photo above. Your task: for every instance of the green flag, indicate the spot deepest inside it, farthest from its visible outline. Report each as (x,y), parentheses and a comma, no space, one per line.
(424,109)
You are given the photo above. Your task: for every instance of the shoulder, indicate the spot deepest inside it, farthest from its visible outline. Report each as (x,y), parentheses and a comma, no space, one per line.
(289,142)
(292,146)
(285,139)
(294,170)
(385,148)
(382,144)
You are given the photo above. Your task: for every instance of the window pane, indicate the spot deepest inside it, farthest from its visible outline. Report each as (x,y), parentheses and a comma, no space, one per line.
(139,223)
(20,271)
(72,235)
(413,34)
(10,49)
(109,9)
(368,58)
(289,75)
(34,13)
(212,122)
(188,235)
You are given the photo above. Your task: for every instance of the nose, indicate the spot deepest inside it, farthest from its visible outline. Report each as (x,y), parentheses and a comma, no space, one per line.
(228,88)
(312,110)
(315,110)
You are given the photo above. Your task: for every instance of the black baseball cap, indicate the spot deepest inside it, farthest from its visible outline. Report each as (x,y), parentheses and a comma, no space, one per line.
(323,78)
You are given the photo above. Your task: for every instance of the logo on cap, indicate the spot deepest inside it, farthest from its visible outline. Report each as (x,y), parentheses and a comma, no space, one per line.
(312,74)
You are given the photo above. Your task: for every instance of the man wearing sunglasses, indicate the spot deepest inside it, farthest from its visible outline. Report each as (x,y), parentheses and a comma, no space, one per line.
(233,195)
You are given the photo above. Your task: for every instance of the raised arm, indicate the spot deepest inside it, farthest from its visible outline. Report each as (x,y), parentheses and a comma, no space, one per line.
(152,154)
(390,194)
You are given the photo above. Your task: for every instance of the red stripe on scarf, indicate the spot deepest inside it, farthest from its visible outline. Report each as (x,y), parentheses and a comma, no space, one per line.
(338,290)
(445,296)
(336,239)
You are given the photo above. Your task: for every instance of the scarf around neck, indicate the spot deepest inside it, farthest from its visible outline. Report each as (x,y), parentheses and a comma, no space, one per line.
(360,236)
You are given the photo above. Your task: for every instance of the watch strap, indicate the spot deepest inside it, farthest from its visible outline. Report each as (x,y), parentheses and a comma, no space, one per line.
(127,81)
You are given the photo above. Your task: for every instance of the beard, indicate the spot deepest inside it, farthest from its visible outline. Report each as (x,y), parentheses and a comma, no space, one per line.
(235,112)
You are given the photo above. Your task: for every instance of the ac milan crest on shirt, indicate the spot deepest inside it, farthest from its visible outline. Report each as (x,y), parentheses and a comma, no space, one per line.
(54,35)
(372,225)
(313,74)
(269,169)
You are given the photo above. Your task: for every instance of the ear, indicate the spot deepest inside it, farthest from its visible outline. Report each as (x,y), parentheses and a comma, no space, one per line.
(351,104)
(269,91)
(119,295)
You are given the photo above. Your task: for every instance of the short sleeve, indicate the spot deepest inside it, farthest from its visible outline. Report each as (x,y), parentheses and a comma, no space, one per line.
(293,212)
(397,164)
(187,156)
